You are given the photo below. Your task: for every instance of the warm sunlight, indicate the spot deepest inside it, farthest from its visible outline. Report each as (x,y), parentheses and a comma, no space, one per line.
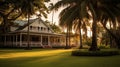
(56,14)
(33,54)
(89,32)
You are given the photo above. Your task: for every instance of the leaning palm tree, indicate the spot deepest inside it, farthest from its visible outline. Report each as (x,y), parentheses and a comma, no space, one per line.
(111,12)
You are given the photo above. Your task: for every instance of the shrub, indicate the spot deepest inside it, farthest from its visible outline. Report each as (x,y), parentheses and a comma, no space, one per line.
(95,53)
(104,46)
(88,43)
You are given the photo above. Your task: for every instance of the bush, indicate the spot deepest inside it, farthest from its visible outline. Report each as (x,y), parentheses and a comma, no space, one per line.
(88,43)
(95,53)
(104,46)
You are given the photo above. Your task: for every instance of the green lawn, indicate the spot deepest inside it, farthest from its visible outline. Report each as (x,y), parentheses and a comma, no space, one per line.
(52,58)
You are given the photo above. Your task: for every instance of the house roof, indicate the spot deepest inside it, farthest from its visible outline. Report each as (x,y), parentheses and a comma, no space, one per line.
(24,24)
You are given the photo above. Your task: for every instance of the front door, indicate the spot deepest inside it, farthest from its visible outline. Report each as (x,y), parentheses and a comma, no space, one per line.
(45,40)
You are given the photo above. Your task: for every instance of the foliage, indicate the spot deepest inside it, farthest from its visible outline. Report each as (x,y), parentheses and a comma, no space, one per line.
(88,42)
(55,28)
(95,53)
(104,46)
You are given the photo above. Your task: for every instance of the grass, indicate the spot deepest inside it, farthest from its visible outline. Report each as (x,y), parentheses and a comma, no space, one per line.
(52,58)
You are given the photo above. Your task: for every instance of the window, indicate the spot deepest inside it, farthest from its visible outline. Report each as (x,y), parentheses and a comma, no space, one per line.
(30,27)
(41,28)
(48,29)
(38,28)
(44,29)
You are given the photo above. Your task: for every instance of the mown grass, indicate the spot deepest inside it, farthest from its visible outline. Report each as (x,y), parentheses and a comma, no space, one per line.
(53,58)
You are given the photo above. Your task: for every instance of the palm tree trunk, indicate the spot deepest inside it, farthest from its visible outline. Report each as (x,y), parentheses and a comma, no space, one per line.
(80,36)
(93,46)
(28,34)
(110,35)
(5,30)
(66,39)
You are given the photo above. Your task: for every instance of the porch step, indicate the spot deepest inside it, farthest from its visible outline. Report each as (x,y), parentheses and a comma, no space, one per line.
(47,46)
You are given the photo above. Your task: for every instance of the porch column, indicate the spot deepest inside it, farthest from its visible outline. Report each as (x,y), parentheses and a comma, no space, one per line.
(5,40)
(10,39)
(20,39)
(16,40)
(41,40)
(12,36)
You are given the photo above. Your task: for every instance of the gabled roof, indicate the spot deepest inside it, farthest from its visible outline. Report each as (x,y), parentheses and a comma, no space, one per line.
(32,21)
(25,25)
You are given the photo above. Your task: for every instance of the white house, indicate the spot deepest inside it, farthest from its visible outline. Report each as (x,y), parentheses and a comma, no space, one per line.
(41,35)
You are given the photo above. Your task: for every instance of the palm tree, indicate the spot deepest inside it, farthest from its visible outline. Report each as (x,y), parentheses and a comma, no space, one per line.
(68,16)
(72,13)
(29,8)
(51,5)
(78,27)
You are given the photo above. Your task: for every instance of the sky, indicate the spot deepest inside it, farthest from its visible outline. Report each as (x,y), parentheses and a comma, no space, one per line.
(56,14)
(49,17)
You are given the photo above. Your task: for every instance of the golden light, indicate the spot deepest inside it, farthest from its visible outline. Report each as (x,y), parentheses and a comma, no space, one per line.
(73,31)
(65,30)
(89,32)
(33,53)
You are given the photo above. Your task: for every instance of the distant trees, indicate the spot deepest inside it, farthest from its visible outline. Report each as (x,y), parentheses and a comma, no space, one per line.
(54,27)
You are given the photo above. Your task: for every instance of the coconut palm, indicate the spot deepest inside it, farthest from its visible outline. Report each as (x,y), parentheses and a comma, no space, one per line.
(51,5)
(29,8)
(68,16)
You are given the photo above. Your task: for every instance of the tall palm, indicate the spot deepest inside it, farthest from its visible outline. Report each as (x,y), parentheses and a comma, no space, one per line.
(29,8)
(78,27)
(51,5)
(72,12)
(68,16)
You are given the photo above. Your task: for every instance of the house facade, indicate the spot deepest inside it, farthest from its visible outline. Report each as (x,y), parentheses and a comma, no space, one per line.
(41,35)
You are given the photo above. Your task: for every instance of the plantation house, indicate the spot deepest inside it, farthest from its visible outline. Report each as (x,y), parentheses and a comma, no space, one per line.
(41,35)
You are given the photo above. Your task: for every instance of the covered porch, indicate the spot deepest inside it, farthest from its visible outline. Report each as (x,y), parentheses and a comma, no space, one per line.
(36,40)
